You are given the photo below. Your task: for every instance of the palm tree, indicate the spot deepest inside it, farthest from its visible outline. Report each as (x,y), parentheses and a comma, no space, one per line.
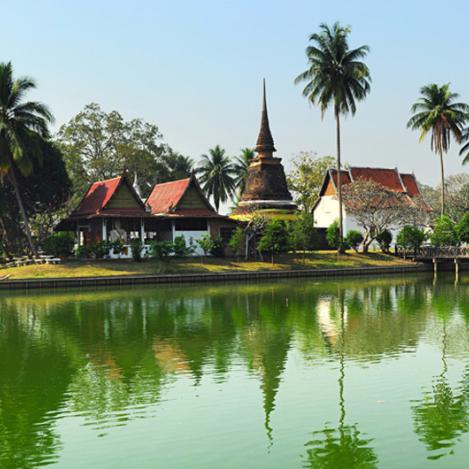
(465,149)
(20,123)
(335,77)
(241,168)
(216,175)
(436,112)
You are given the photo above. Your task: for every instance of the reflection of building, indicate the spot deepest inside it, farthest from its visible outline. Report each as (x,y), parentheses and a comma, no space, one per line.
(266,185)
(112,210)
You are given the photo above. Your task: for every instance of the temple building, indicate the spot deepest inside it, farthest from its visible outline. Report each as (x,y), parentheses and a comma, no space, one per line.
(266,190)
(113,210)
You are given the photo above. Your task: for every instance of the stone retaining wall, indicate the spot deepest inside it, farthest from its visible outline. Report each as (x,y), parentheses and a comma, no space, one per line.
(206,277)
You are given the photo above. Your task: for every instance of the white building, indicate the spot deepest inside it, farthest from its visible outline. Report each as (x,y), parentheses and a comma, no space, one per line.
(326,208)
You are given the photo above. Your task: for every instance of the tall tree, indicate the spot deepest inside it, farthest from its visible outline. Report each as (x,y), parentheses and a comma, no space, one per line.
(20,123)
(241,168)
(100,145)
(217,175)
(335,77)
(437,112)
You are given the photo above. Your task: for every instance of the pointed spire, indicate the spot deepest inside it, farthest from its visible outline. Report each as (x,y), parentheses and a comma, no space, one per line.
(265,142)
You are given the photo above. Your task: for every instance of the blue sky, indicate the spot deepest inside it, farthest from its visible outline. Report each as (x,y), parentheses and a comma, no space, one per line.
(195,68)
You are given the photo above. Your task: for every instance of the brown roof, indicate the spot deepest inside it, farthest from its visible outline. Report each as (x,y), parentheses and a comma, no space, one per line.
(165,197)
(389,178)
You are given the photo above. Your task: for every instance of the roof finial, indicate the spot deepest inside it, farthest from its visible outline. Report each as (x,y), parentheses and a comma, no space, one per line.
(265,142)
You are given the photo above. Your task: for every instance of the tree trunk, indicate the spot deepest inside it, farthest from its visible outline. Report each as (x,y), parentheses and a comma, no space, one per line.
(27,230)
(339,184)
(442,167)
(6,245)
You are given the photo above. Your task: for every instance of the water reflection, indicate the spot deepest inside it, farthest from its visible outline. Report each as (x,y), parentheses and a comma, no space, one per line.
(343,446)
(111,357)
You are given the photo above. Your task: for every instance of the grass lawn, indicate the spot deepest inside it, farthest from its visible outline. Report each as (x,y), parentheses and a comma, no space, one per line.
(316,260)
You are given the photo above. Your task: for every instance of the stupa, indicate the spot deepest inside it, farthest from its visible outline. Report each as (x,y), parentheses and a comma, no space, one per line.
(266,191)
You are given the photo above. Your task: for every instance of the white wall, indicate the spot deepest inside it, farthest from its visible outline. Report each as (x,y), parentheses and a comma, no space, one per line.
(195,235)
(326,212)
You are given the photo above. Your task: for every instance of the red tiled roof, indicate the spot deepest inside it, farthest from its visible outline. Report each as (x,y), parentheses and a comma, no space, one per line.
(345,176)
(388,178)
(166,196)
(97,196)
(411,184)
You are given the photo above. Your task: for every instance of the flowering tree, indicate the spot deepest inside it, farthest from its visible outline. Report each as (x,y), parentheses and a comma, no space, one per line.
(376,208)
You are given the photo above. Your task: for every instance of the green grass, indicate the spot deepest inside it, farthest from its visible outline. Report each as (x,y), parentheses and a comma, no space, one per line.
(316,260)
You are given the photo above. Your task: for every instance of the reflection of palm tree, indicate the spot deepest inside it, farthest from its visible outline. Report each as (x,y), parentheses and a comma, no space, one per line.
(343,446)
(441,416)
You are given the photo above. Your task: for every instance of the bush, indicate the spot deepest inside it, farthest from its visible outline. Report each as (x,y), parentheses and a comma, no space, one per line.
(274,240)
(384,240)
(236,242)
(354,238)
(462,229)
(333,235)
(218,248)
(117,247)
(205,243)
(99,250)
(302,234)
(59,245)
(161,249)
(137,247)
(82,252)
(444,233)
(179,246)
(410,237)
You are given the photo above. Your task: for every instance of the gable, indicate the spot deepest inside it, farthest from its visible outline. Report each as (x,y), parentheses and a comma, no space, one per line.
(122,198)
(192,199)
(330,189)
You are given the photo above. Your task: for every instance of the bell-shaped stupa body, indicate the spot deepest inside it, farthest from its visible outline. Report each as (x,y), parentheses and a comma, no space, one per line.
(266,185)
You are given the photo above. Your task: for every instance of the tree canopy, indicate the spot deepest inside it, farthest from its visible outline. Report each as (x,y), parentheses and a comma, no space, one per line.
(100,145)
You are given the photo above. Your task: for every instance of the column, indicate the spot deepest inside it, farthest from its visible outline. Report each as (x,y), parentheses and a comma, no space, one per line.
(104,237)
(142,231)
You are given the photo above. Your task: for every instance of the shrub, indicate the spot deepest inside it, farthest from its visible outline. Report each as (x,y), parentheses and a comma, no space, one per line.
(333,235)
(137,247)
(99,250)
(236,242)
(444,233)
(410,237)
(274,240)
(218,247)
(354,238)
(302,234)
(59,244)
(462,229)
(205,243)
(180,247)
(117,247)
(82,252)
(384,240)
(161,249)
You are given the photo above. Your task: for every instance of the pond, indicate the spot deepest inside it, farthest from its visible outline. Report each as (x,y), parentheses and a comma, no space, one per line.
(369,372)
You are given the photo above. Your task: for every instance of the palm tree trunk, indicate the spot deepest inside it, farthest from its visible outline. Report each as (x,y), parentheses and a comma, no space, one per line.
(442,167)
(27,229)
(339,184)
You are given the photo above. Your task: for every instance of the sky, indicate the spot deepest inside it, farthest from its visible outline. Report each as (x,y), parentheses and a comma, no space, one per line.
(195,69)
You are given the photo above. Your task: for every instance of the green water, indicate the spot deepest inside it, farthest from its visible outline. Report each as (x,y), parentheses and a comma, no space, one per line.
(371,372)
